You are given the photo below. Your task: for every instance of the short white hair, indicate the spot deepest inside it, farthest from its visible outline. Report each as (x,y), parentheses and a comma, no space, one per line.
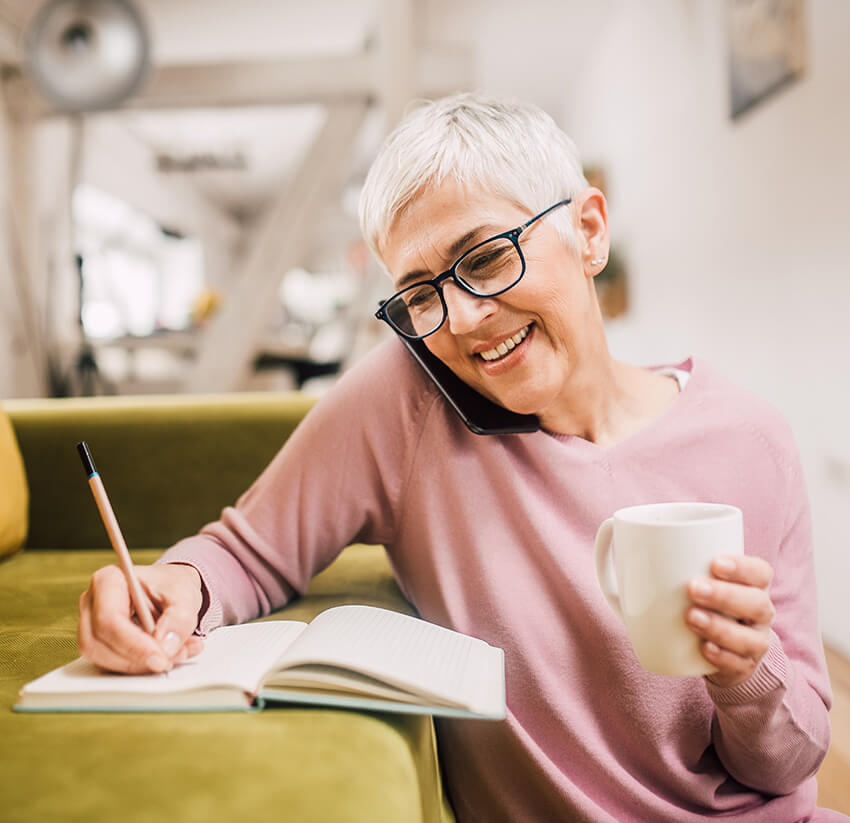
(505,147)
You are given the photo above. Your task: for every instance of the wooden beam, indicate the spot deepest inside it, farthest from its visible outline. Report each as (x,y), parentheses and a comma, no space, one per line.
(9,38)
(295,80)
(396,59)
(292,81)
(18,242)
(283,239)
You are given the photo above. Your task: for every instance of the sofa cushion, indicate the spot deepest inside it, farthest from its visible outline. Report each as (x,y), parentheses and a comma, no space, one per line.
(14,495)
(285,763)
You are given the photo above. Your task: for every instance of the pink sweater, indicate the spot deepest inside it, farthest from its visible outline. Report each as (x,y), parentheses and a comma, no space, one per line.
(493,536)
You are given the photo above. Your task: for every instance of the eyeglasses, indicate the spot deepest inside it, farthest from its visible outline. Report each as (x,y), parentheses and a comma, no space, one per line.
(489,268)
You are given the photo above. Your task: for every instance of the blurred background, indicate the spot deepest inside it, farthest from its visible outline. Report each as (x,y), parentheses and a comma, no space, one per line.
(179,180)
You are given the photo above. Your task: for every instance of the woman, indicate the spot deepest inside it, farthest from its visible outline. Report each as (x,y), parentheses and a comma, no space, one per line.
(493,536)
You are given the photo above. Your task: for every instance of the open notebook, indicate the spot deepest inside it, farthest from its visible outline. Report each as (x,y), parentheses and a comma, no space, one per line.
(348,656)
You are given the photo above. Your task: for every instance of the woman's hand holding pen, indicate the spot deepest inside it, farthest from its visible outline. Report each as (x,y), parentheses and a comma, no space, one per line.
(110,637)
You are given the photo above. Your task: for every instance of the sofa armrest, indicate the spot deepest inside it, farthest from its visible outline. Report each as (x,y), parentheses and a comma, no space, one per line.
(169,463)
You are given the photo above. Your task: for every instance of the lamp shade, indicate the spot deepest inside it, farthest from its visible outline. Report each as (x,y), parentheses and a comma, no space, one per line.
(86,55)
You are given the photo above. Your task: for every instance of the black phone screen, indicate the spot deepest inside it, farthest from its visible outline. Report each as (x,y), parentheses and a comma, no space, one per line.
(480,414)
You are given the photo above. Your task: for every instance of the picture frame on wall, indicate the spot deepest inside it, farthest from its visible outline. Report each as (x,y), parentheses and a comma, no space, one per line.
(767,49)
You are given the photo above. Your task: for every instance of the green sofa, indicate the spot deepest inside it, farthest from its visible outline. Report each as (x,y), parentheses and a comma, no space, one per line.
(170,464)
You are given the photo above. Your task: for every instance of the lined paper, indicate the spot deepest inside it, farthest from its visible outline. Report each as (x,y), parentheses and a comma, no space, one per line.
(403,651)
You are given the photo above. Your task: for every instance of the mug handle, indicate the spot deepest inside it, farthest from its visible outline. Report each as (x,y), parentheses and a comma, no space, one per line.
(604,572)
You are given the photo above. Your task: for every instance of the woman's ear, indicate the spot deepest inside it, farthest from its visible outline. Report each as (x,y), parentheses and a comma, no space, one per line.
(592,215)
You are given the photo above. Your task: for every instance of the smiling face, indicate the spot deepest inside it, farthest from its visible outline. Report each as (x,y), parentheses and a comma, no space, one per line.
(532,348)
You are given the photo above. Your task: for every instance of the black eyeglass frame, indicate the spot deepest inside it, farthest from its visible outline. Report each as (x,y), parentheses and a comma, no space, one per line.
(513,235)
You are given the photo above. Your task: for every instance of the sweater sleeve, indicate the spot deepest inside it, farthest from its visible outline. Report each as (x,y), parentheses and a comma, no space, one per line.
(335,482)
(772,731)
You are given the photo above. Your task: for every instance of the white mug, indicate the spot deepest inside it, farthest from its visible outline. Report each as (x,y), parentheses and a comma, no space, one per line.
(657,549)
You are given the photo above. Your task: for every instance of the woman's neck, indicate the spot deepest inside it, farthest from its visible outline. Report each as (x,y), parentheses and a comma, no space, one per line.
(610,401)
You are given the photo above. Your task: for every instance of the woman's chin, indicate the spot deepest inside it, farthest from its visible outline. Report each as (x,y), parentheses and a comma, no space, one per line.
(521,403)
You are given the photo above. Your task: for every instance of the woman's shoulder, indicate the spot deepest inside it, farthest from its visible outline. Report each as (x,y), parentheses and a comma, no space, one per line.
(385,386)
(386,370)
(738,407)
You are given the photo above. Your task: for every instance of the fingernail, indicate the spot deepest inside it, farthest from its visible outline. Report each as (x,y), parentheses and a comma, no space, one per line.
(699,618)
(724,564)
(171,643)
(701,588)
(156,663)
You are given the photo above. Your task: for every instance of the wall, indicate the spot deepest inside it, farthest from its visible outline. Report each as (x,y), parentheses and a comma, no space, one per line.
(735,232)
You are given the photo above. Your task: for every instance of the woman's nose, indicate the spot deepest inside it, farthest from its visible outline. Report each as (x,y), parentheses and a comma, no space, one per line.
(466,311)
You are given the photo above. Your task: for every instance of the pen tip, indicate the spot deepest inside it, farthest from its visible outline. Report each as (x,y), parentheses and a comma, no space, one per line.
(85,456)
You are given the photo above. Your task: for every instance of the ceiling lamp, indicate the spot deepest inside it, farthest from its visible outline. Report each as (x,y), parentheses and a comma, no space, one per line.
(86,55)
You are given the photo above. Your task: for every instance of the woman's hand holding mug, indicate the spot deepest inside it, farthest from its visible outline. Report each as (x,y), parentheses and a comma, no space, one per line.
(692,603)
(732,615)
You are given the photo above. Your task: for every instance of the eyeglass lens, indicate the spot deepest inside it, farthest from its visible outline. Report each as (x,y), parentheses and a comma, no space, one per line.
(489,269)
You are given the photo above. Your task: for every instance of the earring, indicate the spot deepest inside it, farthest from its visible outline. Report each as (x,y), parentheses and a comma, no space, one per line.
(597,261)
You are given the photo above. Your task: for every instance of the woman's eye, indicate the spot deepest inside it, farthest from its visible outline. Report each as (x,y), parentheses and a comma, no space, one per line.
(481,262)
(418,299)
(489,260)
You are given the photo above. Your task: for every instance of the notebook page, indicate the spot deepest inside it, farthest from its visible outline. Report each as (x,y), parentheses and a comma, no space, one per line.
(333,680)
(404,651)
(232,656)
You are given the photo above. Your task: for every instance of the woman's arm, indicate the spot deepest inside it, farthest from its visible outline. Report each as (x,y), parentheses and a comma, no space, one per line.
(771,727)
(335,481)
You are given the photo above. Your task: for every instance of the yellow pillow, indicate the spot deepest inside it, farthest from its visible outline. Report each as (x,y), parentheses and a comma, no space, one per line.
(14,494)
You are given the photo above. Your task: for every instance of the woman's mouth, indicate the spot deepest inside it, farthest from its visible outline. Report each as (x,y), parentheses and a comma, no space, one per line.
(506,346)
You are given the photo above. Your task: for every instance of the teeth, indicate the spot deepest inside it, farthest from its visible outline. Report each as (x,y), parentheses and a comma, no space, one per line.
(505,346)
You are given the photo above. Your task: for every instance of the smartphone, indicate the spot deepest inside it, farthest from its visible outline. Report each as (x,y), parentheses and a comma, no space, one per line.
(480,414)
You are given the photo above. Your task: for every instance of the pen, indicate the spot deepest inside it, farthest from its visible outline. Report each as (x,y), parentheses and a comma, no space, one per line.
(116,538)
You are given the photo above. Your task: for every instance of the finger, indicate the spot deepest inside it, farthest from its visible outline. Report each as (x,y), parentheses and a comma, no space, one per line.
(102,655)
(113,627)
(92,649)
(189,649)
(751,571)
(129,658)
(176,621)
(726,662)
(89,647)
(741,602)
(743,641)
(194,646)
(179,617)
